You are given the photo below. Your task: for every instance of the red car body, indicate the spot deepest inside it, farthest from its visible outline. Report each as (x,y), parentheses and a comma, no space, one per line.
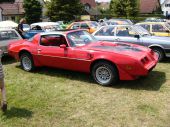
(131,61)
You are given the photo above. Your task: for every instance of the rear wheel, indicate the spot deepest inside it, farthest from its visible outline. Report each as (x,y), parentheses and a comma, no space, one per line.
(104,73)
(27,62)
(159,52)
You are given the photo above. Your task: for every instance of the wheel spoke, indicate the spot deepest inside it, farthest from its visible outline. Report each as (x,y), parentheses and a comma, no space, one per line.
(26,62)
(103,74)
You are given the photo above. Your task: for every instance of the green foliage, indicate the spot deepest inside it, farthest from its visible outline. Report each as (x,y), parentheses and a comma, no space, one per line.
(33,11)
(125,8)
(64,9)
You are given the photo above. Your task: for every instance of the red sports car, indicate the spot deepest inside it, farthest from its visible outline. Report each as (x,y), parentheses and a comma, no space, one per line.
(77,50)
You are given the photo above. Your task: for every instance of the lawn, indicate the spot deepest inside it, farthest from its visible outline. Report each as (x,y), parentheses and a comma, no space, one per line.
(59,98)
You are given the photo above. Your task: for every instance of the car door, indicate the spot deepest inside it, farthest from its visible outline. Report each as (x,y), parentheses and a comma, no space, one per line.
(49,51)
(127,34)
(55,52)
(160,30)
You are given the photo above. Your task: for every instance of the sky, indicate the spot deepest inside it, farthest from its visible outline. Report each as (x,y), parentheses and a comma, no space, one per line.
(109,0)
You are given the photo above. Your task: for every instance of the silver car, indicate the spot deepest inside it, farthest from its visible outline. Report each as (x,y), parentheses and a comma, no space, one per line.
(135,34)
(6,36)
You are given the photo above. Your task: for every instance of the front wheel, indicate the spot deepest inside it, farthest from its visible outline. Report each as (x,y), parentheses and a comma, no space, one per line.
(105,73)
(159,52)
(27,62)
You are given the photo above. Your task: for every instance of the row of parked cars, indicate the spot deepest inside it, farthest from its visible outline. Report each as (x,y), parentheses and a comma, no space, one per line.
(109,54)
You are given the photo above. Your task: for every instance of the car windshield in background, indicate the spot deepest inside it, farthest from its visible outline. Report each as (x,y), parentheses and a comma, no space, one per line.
(94,24)
(80,38)
(8,35)
(111,23)
(141,30)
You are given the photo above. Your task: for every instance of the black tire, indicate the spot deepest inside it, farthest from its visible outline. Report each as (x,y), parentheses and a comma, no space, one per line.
(24,58)
(160,53)
(109,69)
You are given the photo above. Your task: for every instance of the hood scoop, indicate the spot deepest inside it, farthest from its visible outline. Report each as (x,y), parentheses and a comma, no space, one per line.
(117,47)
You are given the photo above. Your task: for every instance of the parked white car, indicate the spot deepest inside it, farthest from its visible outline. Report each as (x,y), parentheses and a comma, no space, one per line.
(47,26)
(6,36)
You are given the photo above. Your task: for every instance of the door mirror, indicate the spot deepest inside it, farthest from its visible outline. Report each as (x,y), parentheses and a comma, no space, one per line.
(63,46)
(167,31)
(137,36)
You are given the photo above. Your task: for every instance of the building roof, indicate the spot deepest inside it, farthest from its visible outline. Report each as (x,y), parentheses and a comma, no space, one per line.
(148,6)
(12,8)
(92,3)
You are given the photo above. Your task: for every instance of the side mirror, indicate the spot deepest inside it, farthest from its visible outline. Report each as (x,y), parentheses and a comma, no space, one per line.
(137,36)
(63,46)
(167,31)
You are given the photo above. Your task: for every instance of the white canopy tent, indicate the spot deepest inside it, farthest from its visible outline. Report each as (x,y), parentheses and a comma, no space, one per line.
(8,24)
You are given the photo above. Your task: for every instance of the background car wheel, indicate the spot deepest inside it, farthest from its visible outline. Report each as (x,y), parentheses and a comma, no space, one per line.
(105,73)
(27,62)
(159,52)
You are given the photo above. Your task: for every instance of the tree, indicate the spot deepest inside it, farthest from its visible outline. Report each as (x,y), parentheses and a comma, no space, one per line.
(33,11)
(64,9)
(127,8)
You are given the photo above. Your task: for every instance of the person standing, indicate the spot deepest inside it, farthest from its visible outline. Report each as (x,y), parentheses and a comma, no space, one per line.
(2,87)
(20,27)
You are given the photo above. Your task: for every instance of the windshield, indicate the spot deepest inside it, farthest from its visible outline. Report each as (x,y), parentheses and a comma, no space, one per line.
(94,24)
(80,38)
(26,26)
(141,30)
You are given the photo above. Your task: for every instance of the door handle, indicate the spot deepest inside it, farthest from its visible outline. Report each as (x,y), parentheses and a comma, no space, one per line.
(38,50)
(117,39)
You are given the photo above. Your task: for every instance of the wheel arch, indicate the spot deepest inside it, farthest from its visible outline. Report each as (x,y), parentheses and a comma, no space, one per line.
(23,51)
(103,60)
(158,46)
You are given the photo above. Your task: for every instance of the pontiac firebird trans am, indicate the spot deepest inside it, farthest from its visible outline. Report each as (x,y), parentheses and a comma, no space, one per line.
(77,50)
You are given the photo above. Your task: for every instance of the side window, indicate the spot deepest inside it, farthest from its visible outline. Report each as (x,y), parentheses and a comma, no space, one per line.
(106,31)
(53,40)
(8,35)
(158,28)
(146,26)
(125,31)
(75,26)
(84,26)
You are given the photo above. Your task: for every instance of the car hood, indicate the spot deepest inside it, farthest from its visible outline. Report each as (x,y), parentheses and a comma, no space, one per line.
(127,49)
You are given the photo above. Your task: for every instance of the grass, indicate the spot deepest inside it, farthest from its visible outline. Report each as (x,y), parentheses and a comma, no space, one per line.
(59,98)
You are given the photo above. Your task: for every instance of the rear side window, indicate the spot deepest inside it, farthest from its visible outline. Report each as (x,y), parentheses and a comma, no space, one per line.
(146,26)
(158,28)
(53,40)
(8,35)
(76,26)
(84,26)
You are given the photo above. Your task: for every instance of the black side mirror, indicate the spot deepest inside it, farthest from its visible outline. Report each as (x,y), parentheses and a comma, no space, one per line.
(137,36)
(167,31)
